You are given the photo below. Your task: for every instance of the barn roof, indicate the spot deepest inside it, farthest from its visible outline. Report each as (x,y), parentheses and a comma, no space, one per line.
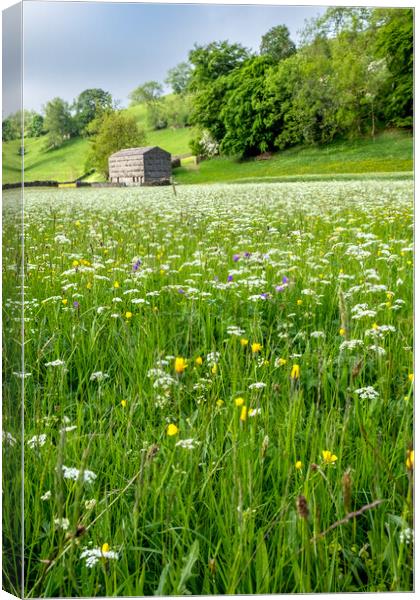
(137,151)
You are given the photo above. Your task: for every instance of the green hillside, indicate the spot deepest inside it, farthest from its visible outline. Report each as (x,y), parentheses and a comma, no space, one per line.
(67,163)
(390,152)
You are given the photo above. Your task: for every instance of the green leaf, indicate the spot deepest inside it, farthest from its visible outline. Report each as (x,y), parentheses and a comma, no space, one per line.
(262,566)
(186,573)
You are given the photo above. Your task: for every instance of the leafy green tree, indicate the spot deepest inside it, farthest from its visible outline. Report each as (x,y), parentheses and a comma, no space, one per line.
(308,97)
(147,93)
(335,21)
(88,105)
(208,104)
(213,61)
(36,126)
(112,131)
(157,117)
(394,43)
(179,78)
(210,82)
(58,122)
(178,110)
(276,43)
(11,130)
(246,110)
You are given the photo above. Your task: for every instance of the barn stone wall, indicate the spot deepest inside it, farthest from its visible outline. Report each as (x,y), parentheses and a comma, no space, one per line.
(144,167)
(157,167)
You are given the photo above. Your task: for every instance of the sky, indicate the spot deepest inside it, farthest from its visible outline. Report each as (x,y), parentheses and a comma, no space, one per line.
(72,46)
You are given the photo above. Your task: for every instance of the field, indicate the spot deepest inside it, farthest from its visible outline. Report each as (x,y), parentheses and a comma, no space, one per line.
(389,154)
(218,389)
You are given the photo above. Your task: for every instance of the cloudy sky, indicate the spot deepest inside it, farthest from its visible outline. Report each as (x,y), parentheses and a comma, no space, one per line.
(71,46)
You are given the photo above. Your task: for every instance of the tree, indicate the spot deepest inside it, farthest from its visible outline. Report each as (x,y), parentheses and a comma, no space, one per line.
(179,77)
(208,104)
(36,126)
(276,43)
(304,88)
(177,110)
(246,110)
(11,129)
(394,43)
(148,93)
(214,61)
(58,122)
(112,131)
(88,105)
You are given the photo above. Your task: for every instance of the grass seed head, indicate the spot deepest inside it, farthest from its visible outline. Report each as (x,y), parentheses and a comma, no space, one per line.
(302,507)
(346,486)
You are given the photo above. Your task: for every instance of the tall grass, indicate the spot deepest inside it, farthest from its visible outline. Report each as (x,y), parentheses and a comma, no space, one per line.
(304,485)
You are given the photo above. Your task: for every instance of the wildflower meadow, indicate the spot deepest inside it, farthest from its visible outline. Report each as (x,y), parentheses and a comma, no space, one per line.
(218,389)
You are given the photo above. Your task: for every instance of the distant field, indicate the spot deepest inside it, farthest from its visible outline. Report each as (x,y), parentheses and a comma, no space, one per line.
(391,152)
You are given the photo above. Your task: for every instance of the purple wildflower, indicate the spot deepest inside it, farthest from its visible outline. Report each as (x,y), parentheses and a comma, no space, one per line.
(285,279)
(181,291)
(247,254)
(230,278)
(279,288)
(136,265)
(76,304)
(236,257)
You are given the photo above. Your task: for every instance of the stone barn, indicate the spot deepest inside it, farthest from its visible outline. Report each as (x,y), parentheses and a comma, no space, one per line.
(140,166)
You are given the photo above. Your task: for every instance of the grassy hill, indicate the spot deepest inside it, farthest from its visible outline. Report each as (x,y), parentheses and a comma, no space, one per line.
(68,162)
(390,152)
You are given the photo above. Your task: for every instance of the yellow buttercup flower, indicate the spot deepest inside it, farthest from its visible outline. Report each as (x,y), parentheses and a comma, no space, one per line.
(329,457)
(410,460)
(64,301)
(180,365)
(244,342)
(375,326)
(199,361)
(105,548)
(116,284)
(342,331)
(128,314)
(219,403)
(239,401)
(172,429)
(244,413)
(75,263)
(411,377)
(123,403)
(281,362)
(299,465)
(89,285)
(295,372)
(256,347)
(299,302)
(214,369)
